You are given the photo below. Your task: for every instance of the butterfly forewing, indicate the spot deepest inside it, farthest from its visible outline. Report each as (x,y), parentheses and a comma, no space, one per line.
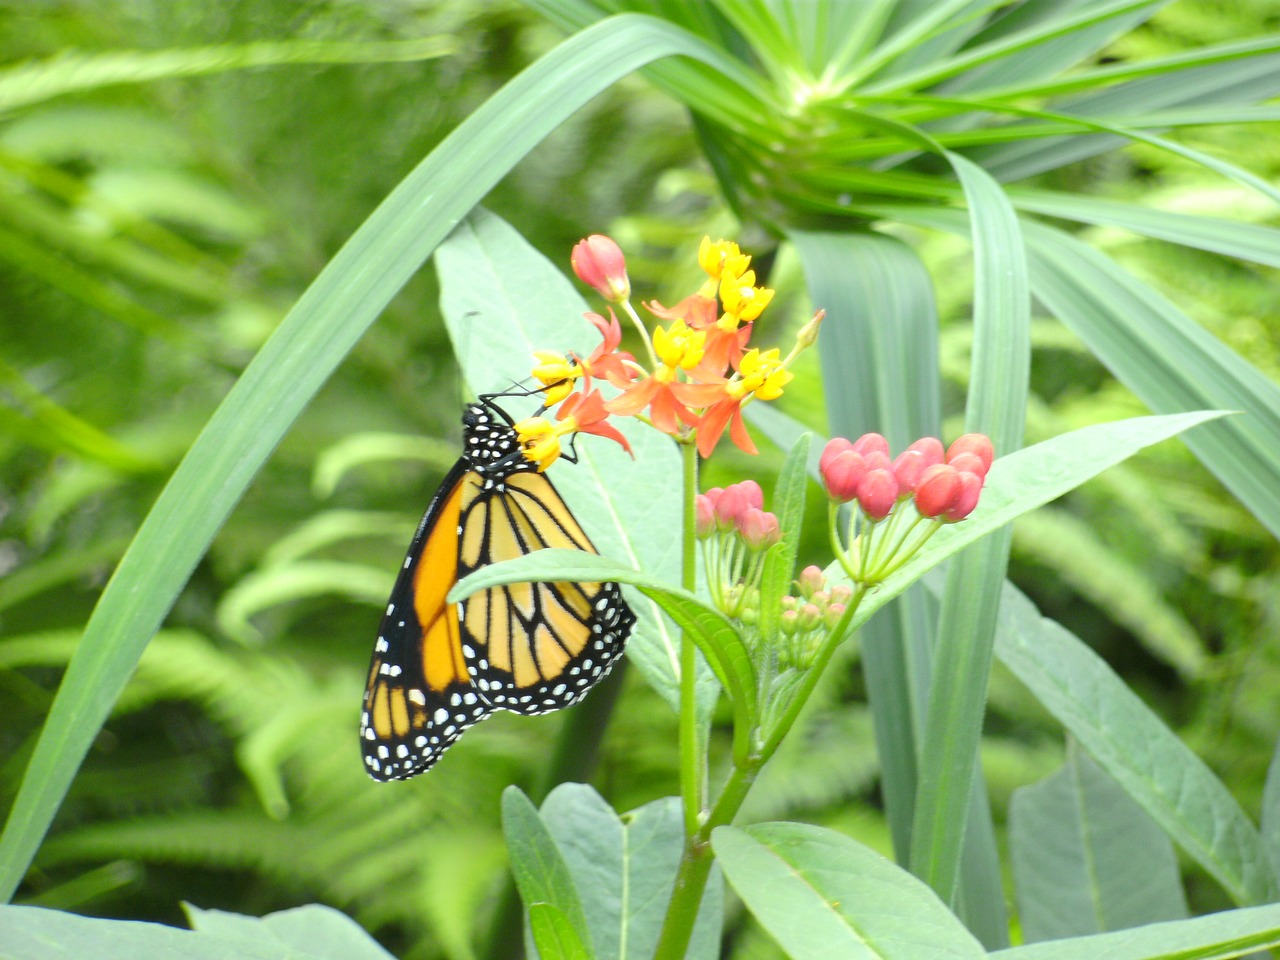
(437,667)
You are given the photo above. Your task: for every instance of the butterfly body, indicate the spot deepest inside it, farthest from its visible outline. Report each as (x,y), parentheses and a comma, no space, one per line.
(439,668)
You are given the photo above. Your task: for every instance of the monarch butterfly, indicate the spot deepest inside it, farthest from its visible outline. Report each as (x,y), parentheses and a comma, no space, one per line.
(438,668)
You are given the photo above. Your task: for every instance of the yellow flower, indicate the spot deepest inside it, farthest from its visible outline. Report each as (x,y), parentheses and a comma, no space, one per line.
(722,257)
(762,374)
(556,373)
(539,440)
(679,346)
(741,297)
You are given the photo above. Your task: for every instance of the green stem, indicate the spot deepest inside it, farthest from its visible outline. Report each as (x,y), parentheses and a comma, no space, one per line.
(692,765)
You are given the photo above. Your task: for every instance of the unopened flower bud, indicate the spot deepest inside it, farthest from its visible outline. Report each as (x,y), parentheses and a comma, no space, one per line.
(871,443)
(705,516)
(831,616)
(931,449)
(811,580)
(937,490)
(833,449)
(978,444)
(809,616)
(789,602)
(759,529)
(877,493)
(970,462)
(808,334)
(841,594)
(878,460)
(789,622)
(907,469)
(842,475)
(735,500)
(598,261)
(966,499)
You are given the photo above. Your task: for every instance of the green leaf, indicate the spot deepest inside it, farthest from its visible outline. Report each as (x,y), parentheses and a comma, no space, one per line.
(624,869)
(1131,743)
(996,406)
(310,342)
(1219,936)
(715,634)
(283,584)
(1270,825)
(554,935)
(313,931)
(361,449)
(780,561)
(66,73)
(821,894)
(1086,858)
(536,864)
(502,300)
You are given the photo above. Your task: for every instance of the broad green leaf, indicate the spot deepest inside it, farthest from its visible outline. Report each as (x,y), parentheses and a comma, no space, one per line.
(1131,743)
(309,343)
(1086,858)
(823,895)
(536,863)
(996,406)
(1218,936)
(624,868)
(40,80)
(554,935)
(311,931)
(502,300)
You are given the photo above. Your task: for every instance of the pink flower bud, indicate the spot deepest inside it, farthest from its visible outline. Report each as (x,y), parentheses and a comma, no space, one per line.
(841,594)
(599,263)
(871,443)
(809,616)
(832,615)
(788,620)
(877,493)
(966,499)
(811,580)
(842,475)
(760,530)
(907,469)
(937,491)
(788,602)
(705,512)
(931,449)
(730,505)
(878,460)
(975,443)
(833,449)
(969,462)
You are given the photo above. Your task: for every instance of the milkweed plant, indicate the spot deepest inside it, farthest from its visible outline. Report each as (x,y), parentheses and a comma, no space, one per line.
(767,630)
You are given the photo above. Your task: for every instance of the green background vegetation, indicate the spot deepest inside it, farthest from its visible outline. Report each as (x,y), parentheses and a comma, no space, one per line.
(152,233)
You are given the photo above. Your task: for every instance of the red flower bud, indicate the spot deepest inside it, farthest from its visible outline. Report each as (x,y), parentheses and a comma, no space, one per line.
(878,460)
(966,499)
(871,443)
(877,493)
(842,475)
(833,449)
(978,444)
(599,263)
(760,530)
(734,501)
(931,448)
(705,513)
(969,462)
(937,491)
(907,469)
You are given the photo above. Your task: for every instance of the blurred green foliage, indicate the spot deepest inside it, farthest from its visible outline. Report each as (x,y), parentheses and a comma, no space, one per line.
(152,234)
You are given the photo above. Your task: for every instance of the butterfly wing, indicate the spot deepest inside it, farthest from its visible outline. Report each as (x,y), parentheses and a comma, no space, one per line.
(533,647)
(419,696)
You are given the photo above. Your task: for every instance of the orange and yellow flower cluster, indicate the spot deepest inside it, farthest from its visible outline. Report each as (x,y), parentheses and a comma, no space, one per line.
(701,370)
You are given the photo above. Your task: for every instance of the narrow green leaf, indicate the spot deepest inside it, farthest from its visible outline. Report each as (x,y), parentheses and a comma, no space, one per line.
(1086,858)
(41,80)
(278,585)
(361,449)
(821,894)
(879,354)
(536,864)
(966,627)
(1219,936)
(554,935)
(712,631)
(624,869)
(780,561)
(309,343)
(1152,765)
(1270,821)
